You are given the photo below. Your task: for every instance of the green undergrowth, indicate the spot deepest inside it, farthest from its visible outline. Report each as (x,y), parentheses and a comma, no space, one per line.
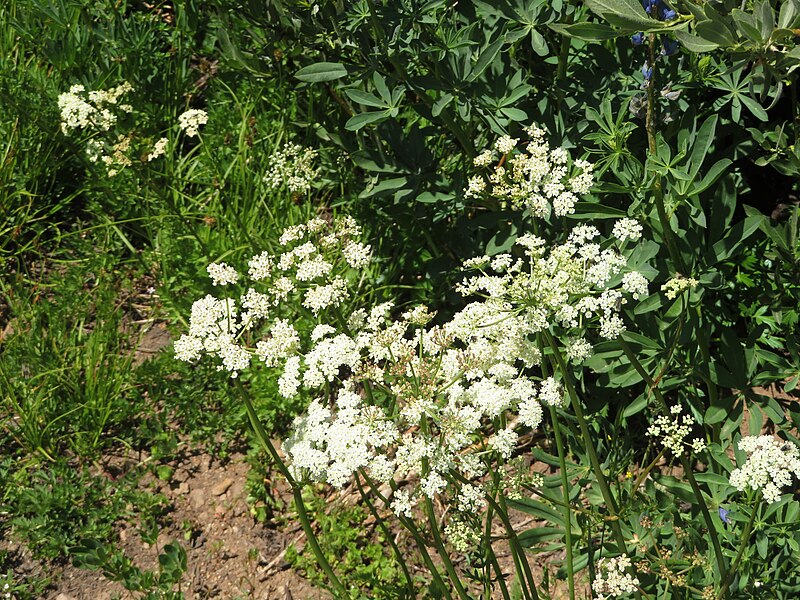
(360,553)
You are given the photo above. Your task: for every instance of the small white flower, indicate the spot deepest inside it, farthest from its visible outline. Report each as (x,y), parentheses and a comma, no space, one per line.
(191,120)
(222,274)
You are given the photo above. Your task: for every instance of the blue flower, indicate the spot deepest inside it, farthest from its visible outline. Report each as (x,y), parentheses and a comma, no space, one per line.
(637,39)
(723,514)
(668,14)
(669,47)
(647,71)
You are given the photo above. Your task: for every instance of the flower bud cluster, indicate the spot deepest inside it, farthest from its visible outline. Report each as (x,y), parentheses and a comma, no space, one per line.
(672,430)
(537,177)
(292,166)
(769,467)
(612,579)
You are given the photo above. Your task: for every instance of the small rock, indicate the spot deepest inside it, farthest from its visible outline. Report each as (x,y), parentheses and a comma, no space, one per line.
(183,488)
(221,487)
(198,499)
(63,596)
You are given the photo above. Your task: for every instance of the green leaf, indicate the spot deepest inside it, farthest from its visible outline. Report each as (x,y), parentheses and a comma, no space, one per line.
(754,107)
(589,32)
(717,170)
(628,14)
(715,414)
(694,43)
(594,210)
(486,58)
(715,32)
(635,407)
(322,71)
(725,248)
(649,304)
(358,121)
(365,98)
(537,535)
(702,142)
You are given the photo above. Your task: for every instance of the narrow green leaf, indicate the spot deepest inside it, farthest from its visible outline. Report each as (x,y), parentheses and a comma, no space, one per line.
(694,43)
(754,107)
(588,32)
(322,71)
(702,142)
(358,121)
(486,58)
(365,98)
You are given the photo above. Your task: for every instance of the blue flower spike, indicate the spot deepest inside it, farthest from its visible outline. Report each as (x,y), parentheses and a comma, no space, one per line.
(723,515)
(647,72)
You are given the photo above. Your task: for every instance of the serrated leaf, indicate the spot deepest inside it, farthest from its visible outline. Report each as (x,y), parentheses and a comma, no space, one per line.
(321,71)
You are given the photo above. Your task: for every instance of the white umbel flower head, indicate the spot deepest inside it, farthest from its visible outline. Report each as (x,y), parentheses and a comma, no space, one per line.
(770,466)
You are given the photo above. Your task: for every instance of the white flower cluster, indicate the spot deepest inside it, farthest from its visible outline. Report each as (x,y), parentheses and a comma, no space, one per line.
(97,112)
(191,120)
(307,268)
(612,579)
(769,467)
(677,285)
(93,110)
(537,178)
(292,166)
(566,285)
(672,429)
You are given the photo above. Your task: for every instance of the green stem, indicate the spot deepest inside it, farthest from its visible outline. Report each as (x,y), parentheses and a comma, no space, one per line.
(387,534)
(311,538)
(437,540)
(516,547)
(575,405)
(720,557)
(658,191)
(421,542)
(562,465)
(723,590)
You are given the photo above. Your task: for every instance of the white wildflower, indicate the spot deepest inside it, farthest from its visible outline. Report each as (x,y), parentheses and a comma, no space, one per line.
(771,464)
(191,120)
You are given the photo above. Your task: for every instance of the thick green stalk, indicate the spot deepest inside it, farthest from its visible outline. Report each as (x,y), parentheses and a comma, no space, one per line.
(565,486)
(439,543)
(723,590)
(562,465)
(311,538)
(575,405)
(653,385)
(492,558)
(516,547)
